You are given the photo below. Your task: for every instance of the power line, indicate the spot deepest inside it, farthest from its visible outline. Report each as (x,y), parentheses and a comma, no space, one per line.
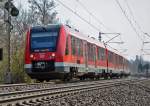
(94,17)
(133,16)
(131,13)
(71,10)
(130,22)
(142,47)
(74,12)
(147,34)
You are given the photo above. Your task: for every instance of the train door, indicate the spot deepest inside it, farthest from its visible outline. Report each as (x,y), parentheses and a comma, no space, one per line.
(95,56)
(78,50)
(85,54)
(106,56)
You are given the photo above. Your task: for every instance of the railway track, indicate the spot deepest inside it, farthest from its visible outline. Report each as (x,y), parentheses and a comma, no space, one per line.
(20,87)
(36,96)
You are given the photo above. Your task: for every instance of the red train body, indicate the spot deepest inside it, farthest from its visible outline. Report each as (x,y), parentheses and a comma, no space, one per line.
(60,52)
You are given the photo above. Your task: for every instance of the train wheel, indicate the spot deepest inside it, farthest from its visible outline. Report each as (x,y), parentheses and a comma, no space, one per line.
(40,80)
(111,77)
(67,77)
(82,78)
(47,80)
(105,76)
(97,77)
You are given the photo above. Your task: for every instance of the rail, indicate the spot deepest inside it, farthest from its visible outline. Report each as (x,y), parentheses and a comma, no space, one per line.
(44,94)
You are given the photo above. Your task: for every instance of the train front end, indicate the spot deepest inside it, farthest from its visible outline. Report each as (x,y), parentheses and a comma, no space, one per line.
(42,51)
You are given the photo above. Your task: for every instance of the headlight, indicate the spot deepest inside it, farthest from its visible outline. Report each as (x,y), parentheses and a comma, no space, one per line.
(53,54)
(31,56)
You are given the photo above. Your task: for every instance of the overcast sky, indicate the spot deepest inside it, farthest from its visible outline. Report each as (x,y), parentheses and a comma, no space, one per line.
(109,13)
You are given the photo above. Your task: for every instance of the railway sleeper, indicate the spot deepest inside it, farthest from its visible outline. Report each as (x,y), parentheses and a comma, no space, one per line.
(32,101)
(27,103)
(39,100)
(19,104)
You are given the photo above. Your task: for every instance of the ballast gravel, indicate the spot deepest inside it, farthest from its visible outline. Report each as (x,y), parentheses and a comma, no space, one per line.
(124,95)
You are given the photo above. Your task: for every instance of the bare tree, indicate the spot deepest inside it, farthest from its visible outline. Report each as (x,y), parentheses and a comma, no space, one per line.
(3,44)
(42,12)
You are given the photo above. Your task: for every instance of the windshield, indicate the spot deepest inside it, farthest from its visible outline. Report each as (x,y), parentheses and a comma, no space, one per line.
(41,41)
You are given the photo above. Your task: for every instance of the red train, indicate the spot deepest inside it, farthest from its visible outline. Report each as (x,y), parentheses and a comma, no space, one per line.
(60,52)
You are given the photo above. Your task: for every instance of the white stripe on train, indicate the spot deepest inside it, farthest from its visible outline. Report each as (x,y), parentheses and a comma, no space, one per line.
(90,67)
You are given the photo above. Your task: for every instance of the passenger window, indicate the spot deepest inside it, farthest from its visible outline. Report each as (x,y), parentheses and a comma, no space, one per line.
(99,54)
(81,48)
(73,45)
(67,47)
(78,46)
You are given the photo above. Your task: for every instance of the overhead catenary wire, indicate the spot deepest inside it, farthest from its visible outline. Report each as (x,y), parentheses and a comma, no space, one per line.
(130,22)
(96,19)
(129,8)
(88,22)
(75,13)
(139,27)
(147,34)
(93,16)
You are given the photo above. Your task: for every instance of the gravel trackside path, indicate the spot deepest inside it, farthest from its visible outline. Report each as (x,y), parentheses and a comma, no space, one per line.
(124,95)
